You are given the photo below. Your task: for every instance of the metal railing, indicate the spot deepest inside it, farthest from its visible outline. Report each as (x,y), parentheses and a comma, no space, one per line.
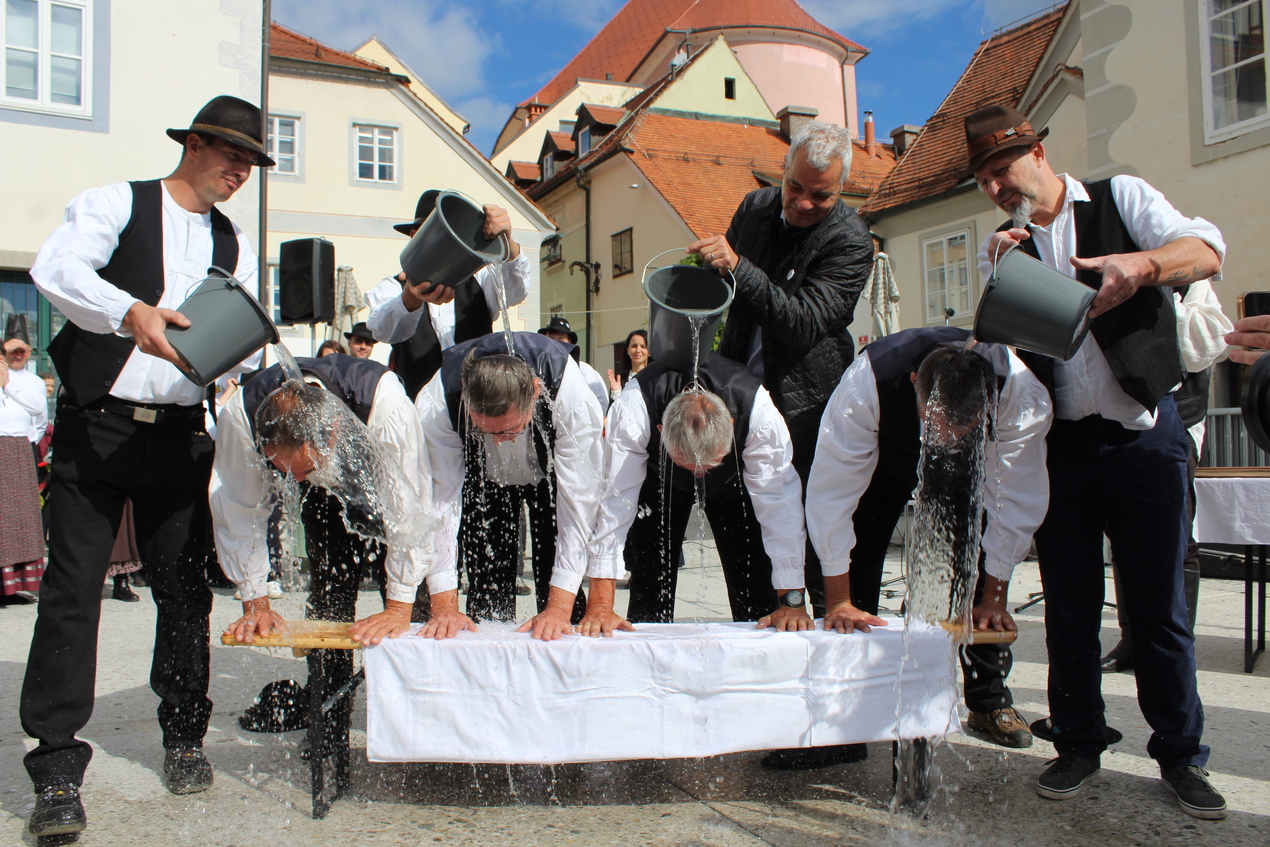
(1227,444)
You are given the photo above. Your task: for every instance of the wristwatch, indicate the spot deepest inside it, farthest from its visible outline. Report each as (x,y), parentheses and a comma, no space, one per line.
(795,599)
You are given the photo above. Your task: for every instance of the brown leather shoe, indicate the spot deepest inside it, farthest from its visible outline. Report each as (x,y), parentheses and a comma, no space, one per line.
(1001,726)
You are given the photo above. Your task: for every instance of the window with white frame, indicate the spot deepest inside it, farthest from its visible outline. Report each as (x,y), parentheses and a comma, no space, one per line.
(46,61)
(1232,35)
(584,141)
(548,165)
(284,144)
(376,153)
(946,267)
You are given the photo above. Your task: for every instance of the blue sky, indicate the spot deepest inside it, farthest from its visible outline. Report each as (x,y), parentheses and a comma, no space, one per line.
(484,56)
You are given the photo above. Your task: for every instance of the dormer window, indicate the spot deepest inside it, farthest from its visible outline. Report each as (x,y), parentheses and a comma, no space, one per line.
(584,141)
(729,88)
(548,166)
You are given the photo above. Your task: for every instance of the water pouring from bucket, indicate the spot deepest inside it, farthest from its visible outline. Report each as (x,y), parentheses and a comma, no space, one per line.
(685,305)
(227,324)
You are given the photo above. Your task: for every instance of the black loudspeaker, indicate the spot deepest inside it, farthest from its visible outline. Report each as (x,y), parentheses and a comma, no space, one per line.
(306,281)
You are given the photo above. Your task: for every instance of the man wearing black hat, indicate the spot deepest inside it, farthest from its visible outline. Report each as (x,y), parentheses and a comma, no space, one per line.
(1117,449)
(559,329)
(467,311)
(360,341)
(130,426)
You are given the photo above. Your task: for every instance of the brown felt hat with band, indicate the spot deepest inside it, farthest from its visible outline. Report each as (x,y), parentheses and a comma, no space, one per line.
(234,120)
(993,129)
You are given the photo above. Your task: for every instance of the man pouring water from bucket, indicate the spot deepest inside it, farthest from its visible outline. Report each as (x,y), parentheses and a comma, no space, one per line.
(130,427)
(1117,449)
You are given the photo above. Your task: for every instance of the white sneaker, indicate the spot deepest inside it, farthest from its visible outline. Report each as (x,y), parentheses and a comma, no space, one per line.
(275,590)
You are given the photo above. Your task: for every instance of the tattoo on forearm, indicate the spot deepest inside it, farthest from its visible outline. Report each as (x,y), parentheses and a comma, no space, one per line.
(1182,277)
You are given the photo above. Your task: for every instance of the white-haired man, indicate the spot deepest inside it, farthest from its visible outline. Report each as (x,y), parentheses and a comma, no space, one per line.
(800,259)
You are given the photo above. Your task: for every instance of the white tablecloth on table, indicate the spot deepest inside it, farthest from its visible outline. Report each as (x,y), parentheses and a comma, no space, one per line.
(666,691)
(1232,510)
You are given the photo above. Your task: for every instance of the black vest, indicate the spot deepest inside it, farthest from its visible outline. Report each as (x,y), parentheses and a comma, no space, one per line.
(354,381)
(893,359)
(417,359)
(735,384)
(90,362)
(1138,337)
(546,356)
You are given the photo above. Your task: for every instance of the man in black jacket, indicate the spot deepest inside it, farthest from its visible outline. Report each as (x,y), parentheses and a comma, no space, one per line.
(800,259)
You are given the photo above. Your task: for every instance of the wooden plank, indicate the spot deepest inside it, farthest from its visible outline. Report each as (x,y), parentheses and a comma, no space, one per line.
(981,636)
(305,635)
(1232,473)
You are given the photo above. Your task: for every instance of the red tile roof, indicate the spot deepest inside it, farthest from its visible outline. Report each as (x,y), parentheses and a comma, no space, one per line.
(524,170)
(867,172)
(775,14)
(563,141)
(288,44)
(604,115)
(627,38)
(1001,69)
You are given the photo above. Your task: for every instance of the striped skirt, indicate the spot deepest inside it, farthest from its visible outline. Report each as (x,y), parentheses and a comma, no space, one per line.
(21,534)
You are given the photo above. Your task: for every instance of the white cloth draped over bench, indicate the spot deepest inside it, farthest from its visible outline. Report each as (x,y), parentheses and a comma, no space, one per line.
(666,691)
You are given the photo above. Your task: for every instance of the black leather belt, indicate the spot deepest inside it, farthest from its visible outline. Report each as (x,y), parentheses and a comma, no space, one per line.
(149,412)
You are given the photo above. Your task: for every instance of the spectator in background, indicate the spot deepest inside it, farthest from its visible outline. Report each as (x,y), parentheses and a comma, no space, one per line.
(559,329)
(328,347)
(125,558)
(22,401)
(360,341)
(637,355)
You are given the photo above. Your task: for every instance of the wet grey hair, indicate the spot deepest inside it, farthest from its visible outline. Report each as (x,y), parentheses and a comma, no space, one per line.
(292,416)
(496,385)
(823,142)
(697,427)
(964,379)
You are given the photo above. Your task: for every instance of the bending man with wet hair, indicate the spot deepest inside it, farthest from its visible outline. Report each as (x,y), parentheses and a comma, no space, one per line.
(497,425)
(866,472)
(726,444)
(349,439)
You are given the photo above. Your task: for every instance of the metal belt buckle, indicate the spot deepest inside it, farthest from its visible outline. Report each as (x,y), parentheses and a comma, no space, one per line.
(145,415)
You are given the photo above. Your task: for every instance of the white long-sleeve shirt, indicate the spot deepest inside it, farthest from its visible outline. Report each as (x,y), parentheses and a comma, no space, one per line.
(1016,485)
(66,268)
(769,477)
(577,458)
(1201,335)
(22,403)
(390,322)
(241,506)
(1085,385)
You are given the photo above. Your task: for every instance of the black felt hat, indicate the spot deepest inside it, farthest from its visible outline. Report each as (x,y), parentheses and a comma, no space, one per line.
(234,120)
(360,330)
(16,327)
(559,324)
(427,202)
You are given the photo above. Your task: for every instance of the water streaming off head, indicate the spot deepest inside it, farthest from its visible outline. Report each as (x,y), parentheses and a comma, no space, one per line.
(378,502)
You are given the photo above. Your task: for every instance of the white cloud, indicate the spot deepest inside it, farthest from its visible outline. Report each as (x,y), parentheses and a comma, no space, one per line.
(487,116)
(439,41)
(865,19)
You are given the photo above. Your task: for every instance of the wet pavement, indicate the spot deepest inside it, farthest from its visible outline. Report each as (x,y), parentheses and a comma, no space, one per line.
(261,794)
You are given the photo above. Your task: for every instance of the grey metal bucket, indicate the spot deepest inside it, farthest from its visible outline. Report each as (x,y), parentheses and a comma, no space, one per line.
(1030,305)
(451,244)
(674,293)
(227,324)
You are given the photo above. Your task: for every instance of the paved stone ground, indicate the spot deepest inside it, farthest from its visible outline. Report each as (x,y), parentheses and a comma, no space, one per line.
(261,795)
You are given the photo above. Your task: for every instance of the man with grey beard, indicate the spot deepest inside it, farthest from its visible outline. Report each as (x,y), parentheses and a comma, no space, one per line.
(1117,449)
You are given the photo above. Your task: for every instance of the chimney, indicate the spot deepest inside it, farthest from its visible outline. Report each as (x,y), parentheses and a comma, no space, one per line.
(794,118)
(903,137)
(870,143)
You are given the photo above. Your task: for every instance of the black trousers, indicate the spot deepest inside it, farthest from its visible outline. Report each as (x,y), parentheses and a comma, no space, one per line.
(489,546)
(101,459)
(1130,484)
(984,667)
(337,561)
(656,539)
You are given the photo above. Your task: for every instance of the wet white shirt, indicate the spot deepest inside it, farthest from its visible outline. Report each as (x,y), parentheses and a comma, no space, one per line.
(241,504)
(577,457)
(390,323)
(22,405)
(769,477)
(1016,493)
(1201,335)
(66,268)
(599,385)
(1085,385)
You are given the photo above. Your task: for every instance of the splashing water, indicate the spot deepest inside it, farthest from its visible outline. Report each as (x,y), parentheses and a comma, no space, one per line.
(695,322)
(500,286)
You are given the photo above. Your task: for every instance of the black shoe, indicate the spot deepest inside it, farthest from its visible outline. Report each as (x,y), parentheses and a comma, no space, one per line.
(1044,730)
(1117,660)
(187,771)
(282,706)
(1065,775)
(58,811)
(523,590)
(138,578)
(124,593)
(15,600)
(810,758)
(1195,794)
